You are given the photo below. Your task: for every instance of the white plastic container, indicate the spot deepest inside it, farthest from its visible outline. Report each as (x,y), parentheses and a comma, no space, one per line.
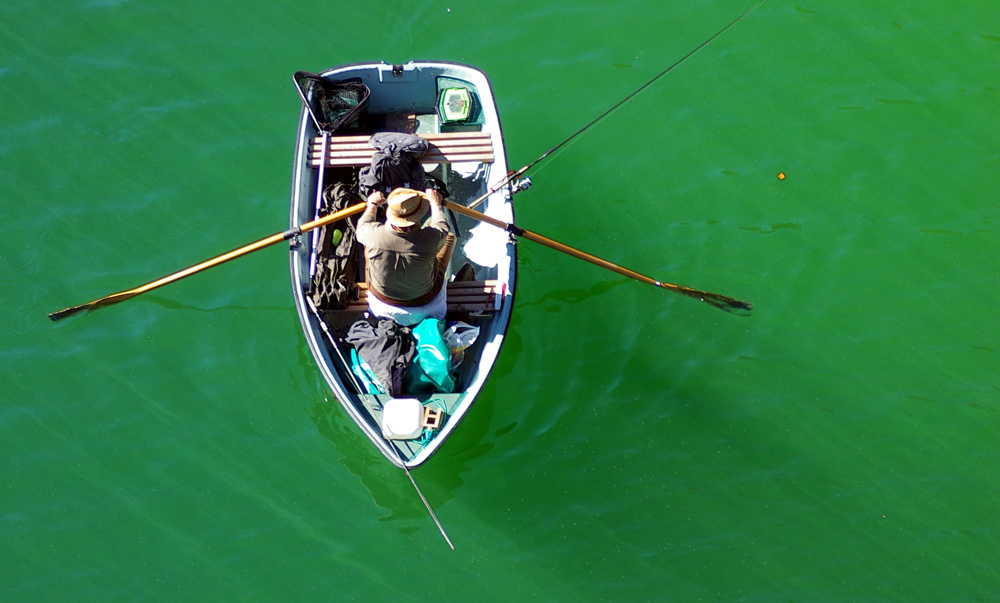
(402,419)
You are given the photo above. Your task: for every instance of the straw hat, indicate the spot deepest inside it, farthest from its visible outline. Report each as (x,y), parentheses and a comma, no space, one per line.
(407,207)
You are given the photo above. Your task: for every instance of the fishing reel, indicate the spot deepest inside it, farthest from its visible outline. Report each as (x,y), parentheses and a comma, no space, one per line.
(521,185)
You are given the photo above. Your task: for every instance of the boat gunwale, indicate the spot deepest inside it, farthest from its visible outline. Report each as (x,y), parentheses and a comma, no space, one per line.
(310,322)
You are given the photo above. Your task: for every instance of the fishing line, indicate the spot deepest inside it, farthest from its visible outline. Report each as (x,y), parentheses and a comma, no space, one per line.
(639,90)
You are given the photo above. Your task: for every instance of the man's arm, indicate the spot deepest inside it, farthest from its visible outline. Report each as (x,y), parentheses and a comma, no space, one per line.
(367,220)
(437,212)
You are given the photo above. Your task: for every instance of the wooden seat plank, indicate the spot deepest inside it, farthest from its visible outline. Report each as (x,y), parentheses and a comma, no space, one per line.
(463,296)
(445,147)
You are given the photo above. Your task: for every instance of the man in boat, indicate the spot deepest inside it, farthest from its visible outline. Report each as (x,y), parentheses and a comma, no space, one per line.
(406,260)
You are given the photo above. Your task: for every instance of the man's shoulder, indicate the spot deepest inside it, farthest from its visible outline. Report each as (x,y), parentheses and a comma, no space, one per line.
(433,234)
(370,230)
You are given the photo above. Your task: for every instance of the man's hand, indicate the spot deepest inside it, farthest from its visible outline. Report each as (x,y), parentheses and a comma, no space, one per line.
(376,198)
(434,196)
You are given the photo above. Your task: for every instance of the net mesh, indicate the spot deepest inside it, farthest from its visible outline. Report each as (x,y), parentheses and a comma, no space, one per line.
(335,105)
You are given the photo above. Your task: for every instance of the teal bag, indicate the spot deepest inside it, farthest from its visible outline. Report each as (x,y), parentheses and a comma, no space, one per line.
(365,374)
(430,371)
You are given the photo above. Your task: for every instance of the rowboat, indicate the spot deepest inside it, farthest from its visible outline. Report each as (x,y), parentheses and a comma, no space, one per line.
(452,107)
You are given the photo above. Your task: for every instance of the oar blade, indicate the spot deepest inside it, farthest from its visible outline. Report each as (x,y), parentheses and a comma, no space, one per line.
(67,312)
(728,304)
(722,302)
(93,305)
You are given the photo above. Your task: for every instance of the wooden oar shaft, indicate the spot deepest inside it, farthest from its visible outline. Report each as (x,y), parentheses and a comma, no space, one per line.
(719,301)
(531,236)
(211,263)
(216,261)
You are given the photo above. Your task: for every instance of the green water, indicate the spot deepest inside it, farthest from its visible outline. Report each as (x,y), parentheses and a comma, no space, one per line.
(840,444)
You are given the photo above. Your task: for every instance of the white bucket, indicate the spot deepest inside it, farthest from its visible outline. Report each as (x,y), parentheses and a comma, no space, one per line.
(402,419)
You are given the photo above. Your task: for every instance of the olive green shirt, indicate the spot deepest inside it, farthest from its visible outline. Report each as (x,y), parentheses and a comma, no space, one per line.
(401,265)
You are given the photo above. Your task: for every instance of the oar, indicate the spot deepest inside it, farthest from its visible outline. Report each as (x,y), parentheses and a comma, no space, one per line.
(121,296)
(719,301)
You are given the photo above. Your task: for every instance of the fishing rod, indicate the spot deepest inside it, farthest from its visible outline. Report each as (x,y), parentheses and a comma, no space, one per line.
(423,498)
(429,508)
(512,177)
(602,116)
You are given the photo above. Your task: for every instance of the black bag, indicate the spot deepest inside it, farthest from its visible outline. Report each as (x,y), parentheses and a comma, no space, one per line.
(387,347)
(395,163)
(336,258)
